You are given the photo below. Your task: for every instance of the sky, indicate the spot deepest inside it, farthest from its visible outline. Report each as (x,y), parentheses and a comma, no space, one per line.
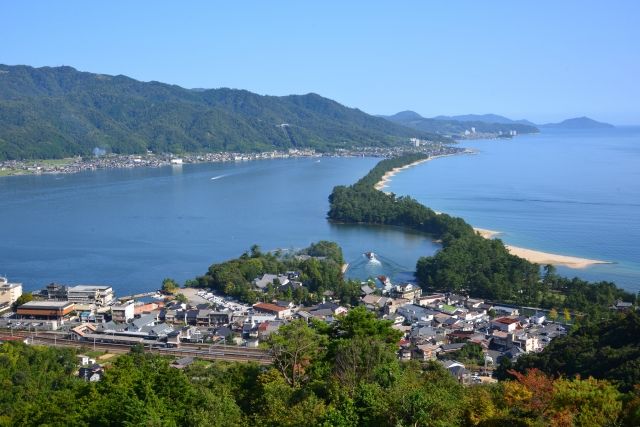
(541,60)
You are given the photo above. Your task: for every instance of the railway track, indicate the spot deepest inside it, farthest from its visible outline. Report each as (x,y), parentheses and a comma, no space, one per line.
(202,351)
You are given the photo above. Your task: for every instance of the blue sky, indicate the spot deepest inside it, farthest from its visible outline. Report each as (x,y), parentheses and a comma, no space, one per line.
(541,60)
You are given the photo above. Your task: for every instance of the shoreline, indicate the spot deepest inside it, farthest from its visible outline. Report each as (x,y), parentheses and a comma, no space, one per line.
(390,174)
(531,255)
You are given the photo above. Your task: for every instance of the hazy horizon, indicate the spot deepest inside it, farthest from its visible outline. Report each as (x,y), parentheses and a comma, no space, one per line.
(545,62)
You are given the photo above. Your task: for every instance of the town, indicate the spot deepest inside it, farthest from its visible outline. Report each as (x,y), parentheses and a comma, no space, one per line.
(197,323)
(101,161)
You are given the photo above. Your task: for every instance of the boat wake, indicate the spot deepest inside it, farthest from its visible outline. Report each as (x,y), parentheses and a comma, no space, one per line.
(217,177)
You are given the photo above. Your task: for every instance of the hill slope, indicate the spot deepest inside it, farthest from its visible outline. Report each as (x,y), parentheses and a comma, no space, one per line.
(55,112)
(453,126)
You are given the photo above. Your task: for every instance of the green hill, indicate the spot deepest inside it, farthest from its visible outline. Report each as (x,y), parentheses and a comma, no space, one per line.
(54,112)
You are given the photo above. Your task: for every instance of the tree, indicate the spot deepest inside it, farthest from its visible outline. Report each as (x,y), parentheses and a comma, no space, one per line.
(553,314)
(294,348)
(169,286)
(22,299)
(567,315)
(181,298)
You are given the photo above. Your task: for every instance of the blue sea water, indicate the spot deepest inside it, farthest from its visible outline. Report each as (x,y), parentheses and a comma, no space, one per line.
(567,192)
(132,228)
(573,193)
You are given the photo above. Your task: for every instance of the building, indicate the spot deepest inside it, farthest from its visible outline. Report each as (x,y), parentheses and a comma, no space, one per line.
(46,310)
(56,292)
(279,312)
(406,291)
(271,279)
(9,292)
(505,324)
(90,294)
(123,312)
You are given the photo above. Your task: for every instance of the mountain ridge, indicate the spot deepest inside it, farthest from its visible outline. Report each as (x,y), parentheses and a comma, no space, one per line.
(53,112)
(460,128)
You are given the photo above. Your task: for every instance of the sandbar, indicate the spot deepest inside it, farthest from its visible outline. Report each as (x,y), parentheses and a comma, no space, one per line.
(540,257)
(387,176)
(530,255)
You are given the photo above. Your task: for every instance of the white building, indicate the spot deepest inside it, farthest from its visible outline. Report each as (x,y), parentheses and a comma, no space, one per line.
(9,292)
(122,313)
(90,294)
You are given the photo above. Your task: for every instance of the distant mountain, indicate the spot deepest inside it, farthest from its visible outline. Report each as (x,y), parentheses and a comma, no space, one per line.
(486,118)
(57,112)
(578,123)
(456,128)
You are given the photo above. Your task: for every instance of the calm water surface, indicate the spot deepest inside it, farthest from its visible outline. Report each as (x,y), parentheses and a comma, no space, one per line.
(132,228)
(573,193)
(567,192)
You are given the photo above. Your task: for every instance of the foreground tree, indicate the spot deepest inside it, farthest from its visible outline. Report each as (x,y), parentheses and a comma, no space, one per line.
(294,348)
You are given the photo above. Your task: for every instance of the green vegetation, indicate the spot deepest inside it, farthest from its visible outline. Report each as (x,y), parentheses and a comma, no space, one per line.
(169,286)
(467,262)
(22,299)
(320,268)
(343,374)
(603,349)
(60,112)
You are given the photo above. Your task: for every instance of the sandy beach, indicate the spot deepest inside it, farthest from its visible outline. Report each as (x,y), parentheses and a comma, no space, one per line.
(540,257)
(387,176)
(531,255)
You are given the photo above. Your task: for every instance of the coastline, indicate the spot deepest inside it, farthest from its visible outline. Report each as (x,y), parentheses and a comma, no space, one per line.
(538,257)
(387,176)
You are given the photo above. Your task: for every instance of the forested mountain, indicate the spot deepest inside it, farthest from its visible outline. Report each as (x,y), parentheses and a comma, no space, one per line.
(53,112)
(455,127)
(579,123)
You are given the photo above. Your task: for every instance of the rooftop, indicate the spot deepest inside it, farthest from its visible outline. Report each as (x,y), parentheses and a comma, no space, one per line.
(46,304)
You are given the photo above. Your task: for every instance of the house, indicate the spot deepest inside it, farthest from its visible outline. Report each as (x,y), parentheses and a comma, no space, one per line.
(414,313)
(406,291)
(432,299)
(456,369)
(505,311)
(427,351)
(623,305)
(146,320)
(123,312)
(268,308)
(366,290)
(270,279)
(538,319)
(506,324)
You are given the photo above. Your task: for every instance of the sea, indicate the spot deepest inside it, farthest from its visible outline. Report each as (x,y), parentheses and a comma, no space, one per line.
(131,228)
(569,192)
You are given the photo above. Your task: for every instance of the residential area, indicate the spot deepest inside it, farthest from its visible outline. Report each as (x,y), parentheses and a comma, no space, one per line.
(468,336)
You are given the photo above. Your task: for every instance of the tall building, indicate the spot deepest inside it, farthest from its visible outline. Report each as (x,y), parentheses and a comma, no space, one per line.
(9,292)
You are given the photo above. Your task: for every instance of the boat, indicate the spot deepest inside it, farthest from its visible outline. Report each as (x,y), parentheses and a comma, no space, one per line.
(370,255)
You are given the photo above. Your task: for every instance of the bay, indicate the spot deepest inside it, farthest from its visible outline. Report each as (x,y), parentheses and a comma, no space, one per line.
(130,228)
(567,192)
